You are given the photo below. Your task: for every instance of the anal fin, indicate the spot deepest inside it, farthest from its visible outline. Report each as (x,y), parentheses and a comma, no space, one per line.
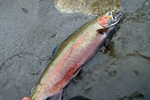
(56,96)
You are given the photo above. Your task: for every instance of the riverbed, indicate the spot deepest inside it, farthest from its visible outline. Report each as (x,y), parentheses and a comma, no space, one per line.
(31,28)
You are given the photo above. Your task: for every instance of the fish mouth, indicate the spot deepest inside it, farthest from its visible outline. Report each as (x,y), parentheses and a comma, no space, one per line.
(114,18)
(110,19)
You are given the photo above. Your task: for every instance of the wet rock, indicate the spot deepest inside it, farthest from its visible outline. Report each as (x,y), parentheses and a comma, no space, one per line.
(88,7)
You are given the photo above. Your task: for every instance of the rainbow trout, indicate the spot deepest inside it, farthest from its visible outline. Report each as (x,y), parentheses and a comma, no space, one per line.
(72,54)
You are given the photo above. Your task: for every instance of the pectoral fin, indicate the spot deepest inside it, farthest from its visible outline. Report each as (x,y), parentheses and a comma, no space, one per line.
(77,72)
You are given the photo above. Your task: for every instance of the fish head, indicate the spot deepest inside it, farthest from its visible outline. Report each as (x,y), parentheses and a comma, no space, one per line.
(110,19)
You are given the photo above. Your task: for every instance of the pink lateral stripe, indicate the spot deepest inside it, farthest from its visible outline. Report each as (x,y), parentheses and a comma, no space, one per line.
(62,60)
(71,67)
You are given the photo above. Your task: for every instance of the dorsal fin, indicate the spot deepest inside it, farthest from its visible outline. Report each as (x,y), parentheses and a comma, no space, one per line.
(54,50)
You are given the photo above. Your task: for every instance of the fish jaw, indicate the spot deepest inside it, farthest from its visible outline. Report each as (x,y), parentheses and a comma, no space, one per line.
(72,54)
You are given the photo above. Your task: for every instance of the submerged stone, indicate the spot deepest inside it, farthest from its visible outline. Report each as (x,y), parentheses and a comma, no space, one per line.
(87,7)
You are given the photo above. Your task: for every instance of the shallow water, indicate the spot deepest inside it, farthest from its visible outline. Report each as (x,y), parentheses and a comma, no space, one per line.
(120,72)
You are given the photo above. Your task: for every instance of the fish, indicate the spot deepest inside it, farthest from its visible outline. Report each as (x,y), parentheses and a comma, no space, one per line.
(72,54)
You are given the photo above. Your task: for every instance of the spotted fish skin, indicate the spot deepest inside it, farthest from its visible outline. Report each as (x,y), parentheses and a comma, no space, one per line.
(72,54)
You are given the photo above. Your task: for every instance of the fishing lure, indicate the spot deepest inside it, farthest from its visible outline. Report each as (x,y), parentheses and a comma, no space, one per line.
(72,54)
